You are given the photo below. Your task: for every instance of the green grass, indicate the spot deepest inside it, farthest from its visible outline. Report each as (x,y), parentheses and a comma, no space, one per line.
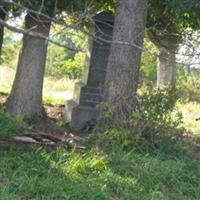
(9,125)
(166,174)
(190,111)
(5,89)
(55,91)
(90,176)
(53,101)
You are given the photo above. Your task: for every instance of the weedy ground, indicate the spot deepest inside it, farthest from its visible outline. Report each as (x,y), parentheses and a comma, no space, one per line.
(71,175)
(167,173)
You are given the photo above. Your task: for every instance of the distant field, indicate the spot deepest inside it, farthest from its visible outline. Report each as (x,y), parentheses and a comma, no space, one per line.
(191,112)
(57,91)
(61,89)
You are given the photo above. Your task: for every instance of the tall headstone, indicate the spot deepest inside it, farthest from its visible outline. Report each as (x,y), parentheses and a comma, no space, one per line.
(91,93)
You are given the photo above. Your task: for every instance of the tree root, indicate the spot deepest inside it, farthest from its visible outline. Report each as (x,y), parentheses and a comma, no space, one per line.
(48,141)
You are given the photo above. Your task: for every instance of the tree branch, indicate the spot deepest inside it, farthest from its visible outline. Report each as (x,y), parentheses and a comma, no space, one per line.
(38,35)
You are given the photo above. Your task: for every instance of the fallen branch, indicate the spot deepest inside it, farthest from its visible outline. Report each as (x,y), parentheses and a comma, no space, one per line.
(47,141)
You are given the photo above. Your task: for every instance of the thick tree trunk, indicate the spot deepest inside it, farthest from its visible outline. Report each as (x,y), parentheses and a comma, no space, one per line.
(124,60)
(25,99)
(2,16)
(166,68)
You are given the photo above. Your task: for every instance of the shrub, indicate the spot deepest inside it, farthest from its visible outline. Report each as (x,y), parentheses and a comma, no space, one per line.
(151,120)
(188,84)
(61,64)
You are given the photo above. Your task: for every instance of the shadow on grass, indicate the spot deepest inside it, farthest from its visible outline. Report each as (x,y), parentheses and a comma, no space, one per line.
(40,175)
(169,171)
(98,175)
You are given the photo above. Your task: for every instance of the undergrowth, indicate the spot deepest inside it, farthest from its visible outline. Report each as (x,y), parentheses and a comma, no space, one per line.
(120,166)
(96,175)
(8,124)
(150,123)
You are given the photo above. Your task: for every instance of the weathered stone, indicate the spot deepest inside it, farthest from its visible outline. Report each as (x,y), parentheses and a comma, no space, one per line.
(81,115)
(77,91)
(91,93)
(69,106)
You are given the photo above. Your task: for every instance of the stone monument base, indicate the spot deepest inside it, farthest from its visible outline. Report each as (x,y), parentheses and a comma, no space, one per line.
(81,115)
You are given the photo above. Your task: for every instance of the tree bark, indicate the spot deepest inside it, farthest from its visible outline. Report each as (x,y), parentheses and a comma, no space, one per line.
(166,68)
(2,16)
(25,99)
(124,60)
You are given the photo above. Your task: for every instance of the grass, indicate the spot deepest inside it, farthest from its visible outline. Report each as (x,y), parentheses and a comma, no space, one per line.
(97,174)
(190,112)
(71,175)
(55,91)
(9,125)
(53,101)
(168,173)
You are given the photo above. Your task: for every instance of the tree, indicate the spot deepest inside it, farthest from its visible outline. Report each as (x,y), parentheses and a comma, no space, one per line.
(25,99)
(167,22)
(168,45)
(2,17)
(124,60)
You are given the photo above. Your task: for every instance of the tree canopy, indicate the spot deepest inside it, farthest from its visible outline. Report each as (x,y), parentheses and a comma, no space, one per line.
(172,18)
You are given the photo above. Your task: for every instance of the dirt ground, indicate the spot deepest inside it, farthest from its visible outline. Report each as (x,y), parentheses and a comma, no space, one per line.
(54,112)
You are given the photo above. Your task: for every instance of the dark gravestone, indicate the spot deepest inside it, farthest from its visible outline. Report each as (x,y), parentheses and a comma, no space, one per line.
(91,93)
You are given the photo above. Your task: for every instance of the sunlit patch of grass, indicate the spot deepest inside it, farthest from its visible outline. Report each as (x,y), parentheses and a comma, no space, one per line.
(53,101)
(191,112)
(96,174)
(89,176)
(59,89)
(55,91)
(5,89)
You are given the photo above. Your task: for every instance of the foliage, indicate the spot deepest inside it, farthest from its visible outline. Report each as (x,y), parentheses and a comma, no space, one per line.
(191,116)
(188,84)
(62,62)
(169,20)
(11,46)
(60,66)
(173,16)
(9,124)
(47,6)
(150,122)
(148,65)
(92,6)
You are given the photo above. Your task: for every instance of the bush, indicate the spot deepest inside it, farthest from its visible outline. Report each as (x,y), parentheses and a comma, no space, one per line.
(10,55)
(61,64)
(152,120)
(188,83)
(148,66)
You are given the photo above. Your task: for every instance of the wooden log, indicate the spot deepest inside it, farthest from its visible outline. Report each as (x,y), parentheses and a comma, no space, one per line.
(35,140)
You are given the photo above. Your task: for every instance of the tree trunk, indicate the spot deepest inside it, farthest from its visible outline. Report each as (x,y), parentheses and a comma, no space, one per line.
(166,67)
(124,60)
(2,16)
(25,99)
(167,44)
